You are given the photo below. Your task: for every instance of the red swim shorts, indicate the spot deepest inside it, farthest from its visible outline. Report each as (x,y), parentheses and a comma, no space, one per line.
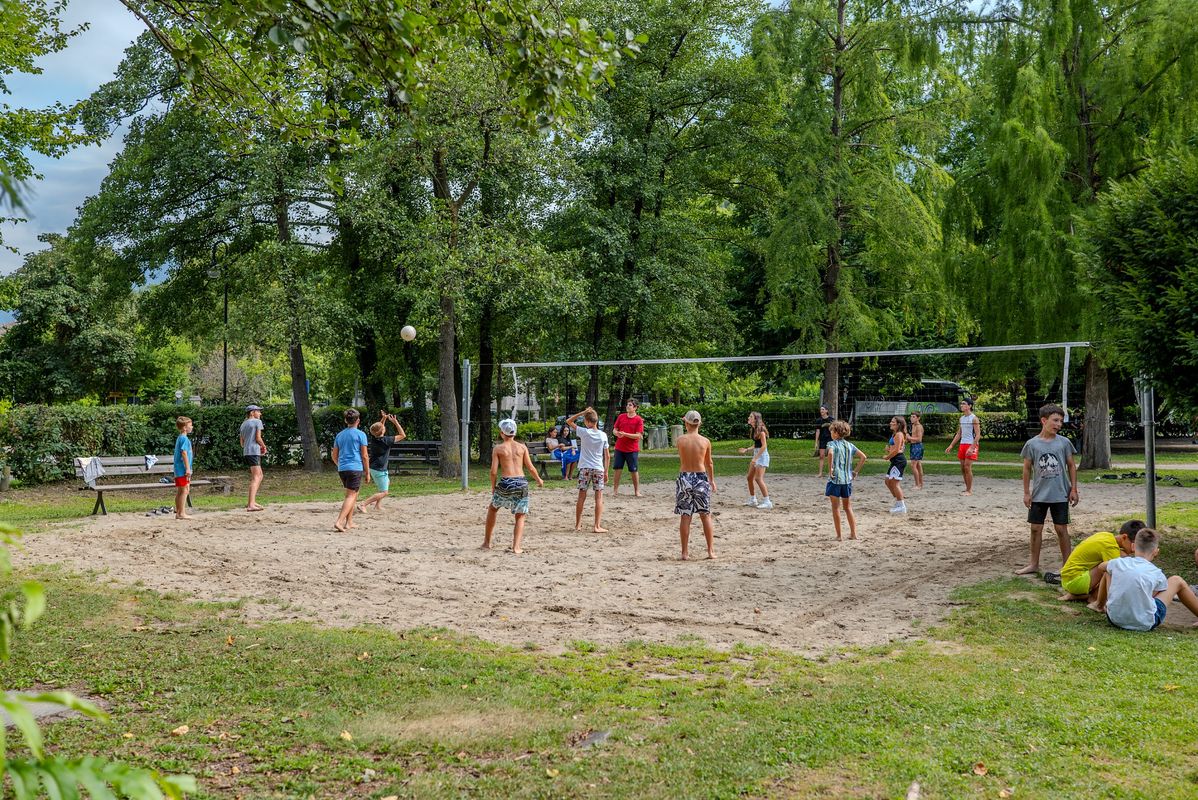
(182,481)
(967,452)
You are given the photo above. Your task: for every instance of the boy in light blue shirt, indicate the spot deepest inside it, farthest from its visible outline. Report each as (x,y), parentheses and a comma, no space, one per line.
(349,453)
(1134,592)
(183,465)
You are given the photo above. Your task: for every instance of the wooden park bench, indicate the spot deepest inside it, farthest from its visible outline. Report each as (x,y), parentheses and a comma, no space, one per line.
(414,453)
(541,457)
(136,465)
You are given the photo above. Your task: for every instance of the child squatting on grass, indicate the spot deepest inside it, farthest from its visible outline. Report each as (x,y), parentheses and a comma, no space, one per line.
(1087,563)
(1134,593)
(841,475)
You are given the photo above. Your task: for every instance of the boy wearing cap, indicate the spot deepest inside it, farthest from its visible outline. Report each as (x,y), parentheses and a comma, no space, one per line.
(696,482)
(509,487)
(593,461)
(252,449)
(349,453)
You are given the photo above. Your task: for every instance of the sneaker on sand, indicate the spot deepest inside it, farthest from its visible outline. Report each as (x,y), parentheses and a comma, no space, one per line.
(899,508)
(752,501)
(766,503)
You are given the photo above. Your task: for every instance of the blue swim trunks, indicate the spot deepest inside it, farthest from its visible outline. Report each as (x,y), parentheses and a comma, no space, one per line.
(844,490)
(917,451)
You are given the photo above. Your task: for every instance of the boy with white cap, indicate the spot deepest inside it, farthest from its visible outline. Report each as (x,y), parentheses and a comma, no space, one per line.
(509,458)
(696,482)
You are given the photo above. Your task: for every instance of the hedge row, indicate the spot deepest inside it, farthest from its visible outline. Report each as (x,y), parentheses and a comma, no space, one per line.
(40,443)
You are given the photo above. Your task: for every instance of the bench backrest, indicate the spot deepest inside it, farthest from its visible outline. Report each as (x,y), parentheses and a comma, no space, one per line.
(131,465)
(538,448)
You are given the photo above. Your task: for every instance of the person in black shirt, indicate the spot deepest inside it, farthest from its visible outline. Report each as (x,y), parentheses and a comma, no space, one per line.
(378,447)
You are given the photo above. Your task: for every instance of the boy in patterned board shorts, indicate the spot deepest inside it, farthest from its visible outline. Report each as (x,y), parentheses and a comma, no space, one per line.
(696,482)
(593,461)
(509,459)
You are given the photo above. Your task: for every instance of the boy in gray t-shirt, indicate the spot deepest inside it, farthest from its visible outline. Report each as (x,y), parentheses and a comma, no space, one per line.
(253,447)
(1049,484)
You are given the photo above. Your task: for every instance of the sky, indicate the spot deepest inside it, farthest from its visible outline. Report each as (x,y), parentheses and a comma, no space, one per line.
(90,60)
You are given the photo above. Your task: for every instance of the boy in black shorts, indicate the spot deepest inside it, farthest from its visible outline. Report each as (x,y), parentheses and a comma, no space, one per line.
(1049,484)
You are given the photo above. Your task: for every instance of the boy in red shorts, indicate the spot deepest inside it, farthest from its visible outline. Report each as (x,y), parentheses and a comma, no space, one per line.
(969,433)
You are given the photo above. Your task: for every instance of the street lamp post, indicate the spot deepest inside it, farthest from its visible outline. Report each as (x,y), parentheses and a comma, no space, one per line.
(213,272)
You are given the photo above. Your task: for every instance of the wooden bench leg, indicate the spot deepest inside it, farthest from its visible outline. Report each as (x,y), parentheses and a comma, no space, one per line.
(542,469)
(99,506)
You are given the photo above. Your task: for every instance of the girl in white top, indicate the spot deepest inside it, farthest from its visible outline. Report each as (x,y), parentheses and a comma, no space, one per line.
(969,433)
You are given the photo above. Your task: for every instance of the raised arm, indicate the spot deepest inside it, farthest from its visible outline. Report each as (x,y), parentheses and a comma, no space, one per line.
(570,419)
(400,435)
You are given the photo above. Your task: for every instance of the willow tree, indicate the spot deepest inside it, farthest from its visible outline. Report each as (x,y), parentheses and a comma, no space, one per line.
(1069,96)
(863,101)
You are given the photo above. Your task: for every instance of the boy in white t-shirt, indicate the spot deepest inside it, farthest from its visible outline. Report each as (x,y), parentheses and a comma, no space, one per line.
(1134,593)
(593,461)
(969,432)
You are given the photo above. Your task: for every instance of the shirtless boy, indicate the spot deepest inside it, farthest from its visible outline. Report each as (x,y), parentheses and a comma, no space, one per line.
(509,458)
(695,484)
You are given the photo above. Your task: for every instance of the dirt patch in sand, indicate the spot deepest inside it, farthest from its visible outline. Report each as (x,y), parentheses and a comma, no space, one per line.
(780,579)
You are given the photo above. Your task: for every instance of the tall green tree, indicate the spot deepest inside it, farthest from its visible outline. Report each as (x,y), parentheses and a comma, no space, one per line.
(861,99)
(1142,265)
(1068,96)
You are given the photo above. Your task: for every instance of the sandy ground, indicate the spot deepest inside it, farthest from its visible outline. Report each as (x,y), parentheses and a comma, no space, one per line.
(780,578)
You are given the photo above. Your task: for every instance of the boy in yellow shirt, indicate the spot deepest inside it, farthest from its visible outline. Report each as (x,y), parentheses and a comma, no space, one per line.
(1086,565)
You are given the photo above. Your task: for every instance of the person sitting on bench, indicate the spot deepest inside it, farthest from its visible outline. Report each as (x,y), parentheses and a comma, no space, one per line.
(562,451)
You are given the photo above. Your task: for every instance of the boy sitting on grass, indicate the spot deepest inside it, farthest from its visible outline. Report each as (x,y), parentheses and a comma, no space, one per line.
(1133,591)
(1086,565)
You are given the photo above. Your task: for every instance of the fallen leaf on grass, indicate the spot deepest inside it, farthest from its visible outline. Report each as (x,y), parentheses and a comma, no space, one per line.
(552,773)
(363,656)
(235,770)
(347,736)
(391,797)
(980,769)
(128,736)
(179,731)
(1008,792)
(1092,649)
(228,641)
(1170,687)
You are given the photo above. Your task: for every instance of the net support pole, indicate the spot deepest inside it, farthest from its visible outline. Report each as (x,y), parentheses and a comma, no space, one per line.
(465,424)
(1065,384)
(1148,417)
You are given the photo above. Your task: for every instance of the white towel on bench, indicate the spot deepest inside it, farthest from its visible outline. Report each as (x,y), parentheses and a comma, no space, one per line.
(92,469)
(150,462)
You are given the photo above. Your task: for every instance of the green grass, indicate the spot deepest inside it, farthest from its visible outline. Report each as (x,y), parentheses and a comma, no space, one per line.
(1050,698)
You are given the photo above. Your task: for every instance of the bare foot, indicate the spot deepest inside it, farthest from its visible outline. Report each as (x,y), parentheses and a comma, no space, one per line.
(361,509)
(485,546)
(255,508)
(337,527)
(1095,607)
(710,555)
(184,516)
(600,530)
(967,494)
(352,525)
(838,538)
(638,494)
(578,529)
(517,550)
(852,536)
(1030,569)
(684,557)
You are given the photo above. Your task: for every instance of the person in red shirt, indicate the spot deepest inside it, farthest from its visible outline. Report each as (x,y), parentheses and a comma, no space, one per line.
(629,430)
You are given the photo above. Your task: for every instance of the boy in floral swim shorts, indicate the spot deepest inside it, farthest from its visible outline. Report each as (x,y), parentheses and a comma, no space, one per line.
(511,490)
(696,482)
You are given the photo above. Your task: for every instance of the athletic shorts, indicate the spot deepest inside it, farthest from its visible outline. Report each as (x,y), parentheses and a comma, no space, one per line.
(351,479)
(1078,584)
(844,490)
(252,461)
(897,465)
(512,494)
(963,453)
(182,480)
(917,451)
(1157,618)
(622,459)
(692,494)
(382,479)
(591,479)
(1039,511)
(761,458)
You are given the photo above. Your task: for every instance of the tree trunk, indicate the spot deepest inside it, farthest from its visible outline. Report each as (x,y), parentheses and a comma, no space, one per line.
(295,350)
(480,409)
(1096,436)
(447,394)
(831,326)
(368,363)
